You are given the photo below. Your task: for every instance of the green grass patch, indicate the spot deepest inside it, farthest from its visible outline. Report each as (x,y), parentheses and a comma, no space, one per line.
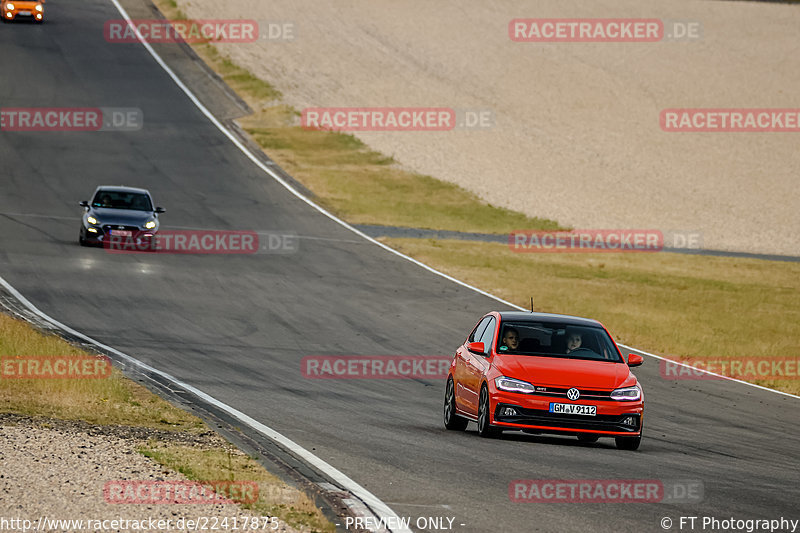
(367,187)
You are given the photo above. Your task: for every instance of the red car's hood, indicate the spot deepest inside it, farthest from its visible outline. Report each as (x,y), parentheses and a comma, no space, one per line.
(563,372)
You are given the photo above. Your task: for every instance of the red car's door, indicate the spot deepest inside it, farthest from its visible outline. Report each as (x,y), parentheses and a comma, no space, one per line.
(463,374)
(475,368)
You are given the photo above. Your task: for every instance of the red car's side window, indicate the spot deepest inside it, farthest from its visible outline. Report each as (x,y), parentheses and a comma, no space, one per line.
(477,333)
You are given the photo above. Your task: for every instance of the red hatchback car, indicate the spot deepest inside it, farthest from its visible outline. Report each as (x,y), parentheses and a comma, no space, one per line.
(544,373)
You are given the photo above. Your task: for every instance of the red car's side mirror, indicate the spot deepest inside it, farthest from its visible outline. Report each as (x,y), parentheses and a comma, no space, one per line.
(635,359)
(476,347)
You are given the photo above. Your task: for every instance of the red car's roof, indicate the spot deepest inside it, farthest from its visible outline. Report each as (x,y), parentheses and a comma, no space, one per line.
(524,316)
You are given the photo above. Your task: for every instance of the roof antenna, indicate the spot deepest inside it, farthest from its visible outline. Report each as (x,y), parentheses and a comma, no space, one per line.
(531,304)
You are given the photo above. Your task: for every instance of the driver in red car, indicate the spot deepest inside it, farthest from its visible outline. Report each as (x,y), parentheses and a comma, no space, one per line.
(511,339)
(574,341)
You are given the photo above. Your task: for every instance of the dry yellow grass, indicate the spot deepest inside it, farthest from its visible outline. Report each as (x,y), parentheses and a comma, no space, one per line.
(275,498)
(112,400)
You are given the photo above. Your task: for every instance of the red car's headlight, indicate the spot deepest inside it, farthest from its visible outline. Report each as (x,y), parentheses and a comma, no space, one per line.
(628,394)
(513,385)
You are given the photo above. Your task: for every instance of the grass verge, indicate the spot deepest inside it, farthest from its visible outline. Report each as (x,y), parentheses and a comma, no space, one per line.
(118,401)
(275,498)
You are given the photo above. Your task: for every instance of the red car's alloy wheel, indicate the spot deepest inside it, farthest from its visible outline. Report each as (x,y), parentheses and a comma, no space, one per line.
(451,419)
(484,427)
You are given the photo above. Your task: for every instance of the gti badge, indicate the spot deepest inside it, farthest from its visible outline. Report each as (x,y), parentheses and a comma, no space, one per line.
(573,394)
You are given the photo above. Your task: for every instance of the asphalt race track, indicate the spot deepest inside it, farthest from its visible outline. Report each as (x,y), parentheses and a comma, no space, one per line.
(237,326)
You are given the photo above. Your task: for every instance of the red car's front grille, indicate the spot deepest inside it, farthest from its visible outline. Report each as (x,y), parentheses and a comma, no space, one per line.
(562,393)
(538,417)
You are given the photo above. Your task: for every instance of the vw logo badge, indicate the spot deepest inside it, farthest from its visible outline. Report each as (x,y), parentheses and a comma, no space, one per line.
(573,394)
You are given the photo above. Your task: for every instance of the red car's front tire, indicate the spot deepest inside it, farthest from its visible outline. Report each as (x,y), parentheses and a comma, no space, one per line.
(451,420)
(628,443)
(485,428)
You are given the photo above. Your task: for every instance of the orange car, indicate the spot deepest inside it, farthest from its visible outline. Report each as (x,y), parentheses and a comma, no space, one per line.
(12,9)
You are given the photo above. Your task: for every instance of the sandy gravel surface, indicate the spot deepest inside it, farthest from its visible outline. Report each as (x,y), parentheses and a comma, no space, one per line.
(58,470)
(577,135)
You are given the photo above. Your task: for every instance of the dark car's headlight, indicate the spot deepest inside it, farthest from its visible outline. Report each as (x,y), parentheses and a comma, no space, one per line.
(513,385)
(91,220)
(627,394)
(150,224)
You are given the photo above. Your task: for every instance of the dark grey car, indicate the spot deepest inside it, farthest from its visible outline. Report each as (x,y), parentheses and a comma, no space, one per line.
(119,211)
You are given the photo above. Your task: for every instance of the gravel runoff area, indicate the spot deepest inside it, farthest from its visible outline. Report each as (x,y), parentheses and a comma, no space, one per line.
(576,136)
(57,469)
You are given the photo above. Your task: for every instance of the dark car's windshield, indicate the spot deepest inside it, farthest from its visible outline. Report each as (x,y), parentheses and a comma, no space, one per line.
(122,200)
(556,340)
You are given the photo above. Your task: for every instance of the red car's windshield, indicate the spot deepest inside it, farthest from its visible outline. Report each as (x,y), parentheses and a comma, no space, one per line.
(547,339)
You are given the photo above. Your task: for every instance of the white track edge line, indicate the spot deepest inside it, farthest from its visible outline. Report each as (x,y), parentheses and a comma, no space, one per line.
(339,477)
(709,372)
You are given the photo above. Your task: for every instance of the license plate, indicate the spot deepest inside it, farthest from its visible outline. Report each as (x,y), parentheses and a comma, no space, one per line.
(573,409)
(25,13)
(121,232)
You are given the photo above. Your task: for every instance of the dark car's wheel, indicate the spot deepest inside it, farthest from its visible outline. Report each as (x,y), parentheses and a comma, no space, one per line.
(585,437)
(628,443)
(451,419)
(82,239)
(485,429)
